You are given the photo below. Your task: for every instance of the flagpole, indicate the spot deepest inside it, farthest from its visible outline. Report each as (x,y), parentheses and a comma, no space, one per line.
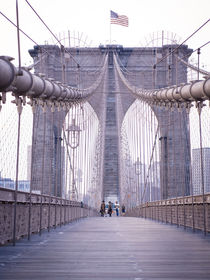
(110,36)
(110,29)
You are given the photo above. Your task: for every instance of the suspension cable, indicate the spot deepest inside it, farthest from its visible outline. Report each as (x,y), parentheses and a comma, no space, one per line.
(196,49)
(18,37)
(52,33)
(150,163)
(174,50)
(28,38)
(199,70)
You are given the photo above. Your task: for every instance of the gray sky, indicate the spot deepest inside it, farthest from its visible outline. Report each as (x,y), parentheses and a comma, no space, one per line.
(91,19)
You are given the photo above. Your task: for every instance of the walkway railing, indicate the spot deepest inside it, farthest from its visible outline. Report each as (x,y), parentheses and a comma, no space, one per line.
(189,211)
(35,213)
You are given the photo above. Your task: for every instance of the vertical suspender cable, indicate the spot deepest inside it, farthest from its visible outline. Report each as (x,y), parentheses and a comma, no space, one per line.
(191,183)
(182,161)
(174,162)
(43,170)
(176,65)
(147,184)
(55,167)
(137,156)
(141,151)
(168,186)
(68,168)
(150,151)
(149,157)
(82,158)
(18,38)
(144,152)
(64,169)
(170,171)
(18,139)
(78,152)
(19,108)
(133,145)
(85,158)
(143,148)
(162,167)
(198,72)
(199,106)
(31,175)
(62,160)
(176,170)
(157,170)
(140,155)
(88,167)
(153,165)
(60,125)
(51,169)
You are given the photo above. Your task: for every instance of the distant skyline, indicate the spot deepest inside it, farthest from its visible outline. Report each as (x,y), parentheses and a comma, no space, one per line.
(90,21)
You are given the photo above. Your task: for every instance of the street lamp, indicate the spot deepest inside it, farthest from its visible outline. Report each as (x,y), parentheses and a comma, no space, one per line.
(128,178)
(73,139)
(138,167)
(73,135)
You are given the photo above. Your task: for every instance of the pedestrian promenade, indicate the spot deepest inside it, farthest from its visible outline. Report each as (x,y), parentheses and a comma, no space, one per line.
(115,248)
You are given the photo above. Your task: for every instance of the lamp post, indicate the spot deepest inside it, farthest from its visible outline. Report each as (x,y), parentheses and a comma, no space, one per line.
(73,139)
(132,192)
(138,173)
(128,179)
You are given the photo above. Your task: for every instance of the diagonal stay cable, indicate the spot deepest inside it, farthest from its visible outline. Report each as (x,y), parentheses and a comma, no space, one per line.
(202,71)
(151,158)
(197,49)
(62,47)
(195,68)
(19,29)
(174,50)
(68,153)
(26,35)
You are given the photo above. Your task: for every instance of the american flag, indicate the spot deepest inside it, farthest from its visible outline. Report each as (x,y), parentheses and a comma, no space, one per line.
(118,19)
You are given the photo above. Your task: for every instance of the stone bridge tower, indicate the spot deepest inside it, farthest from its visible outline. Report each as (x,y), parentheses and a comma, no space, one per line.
(111,102)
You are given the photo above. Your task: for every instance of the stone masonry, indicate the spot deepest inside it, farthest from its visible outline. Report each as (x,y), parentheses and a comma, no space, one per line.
(136,60)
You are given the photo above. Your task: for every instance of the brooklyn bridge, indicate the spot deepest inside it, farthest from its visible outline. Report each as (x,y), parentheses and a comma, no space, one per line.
(121,124)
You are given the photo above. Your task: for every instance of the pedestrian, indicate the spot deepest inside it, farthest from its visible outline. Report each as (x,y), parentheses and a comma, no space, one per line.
(123,210)
(110,209)
(102,210)
(117,207)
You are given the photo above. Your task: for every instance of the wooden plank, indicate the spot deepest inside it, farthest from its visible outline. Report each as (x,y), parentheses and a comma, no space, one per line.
(109,248)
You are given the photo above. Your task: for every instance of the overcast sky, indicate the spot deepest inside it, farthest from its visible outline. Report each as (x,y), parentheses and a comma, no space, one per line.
(90,20)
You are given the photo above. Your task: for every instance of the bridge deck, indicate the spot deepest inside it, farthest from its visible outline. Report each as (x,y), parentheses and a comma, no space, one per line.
(109,248)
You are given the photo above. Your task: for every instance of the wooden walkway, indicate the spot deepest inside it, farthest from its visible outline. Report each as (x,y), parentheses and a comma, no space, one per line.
(109,248)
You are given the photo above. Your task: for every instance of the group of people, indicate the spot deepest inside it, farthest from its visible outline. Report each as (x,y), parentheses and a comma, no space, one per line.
(110,209)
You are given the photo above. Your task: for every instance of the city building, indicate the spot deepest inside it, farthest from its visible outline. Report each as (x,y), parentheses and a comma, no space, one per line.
(196,170)
(8,183)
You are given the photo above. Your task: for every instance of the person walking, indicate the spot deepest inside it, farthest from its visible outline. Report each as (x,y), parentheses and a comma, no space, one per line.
(102,210)
(117,207)
(110,209)
(123,210)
